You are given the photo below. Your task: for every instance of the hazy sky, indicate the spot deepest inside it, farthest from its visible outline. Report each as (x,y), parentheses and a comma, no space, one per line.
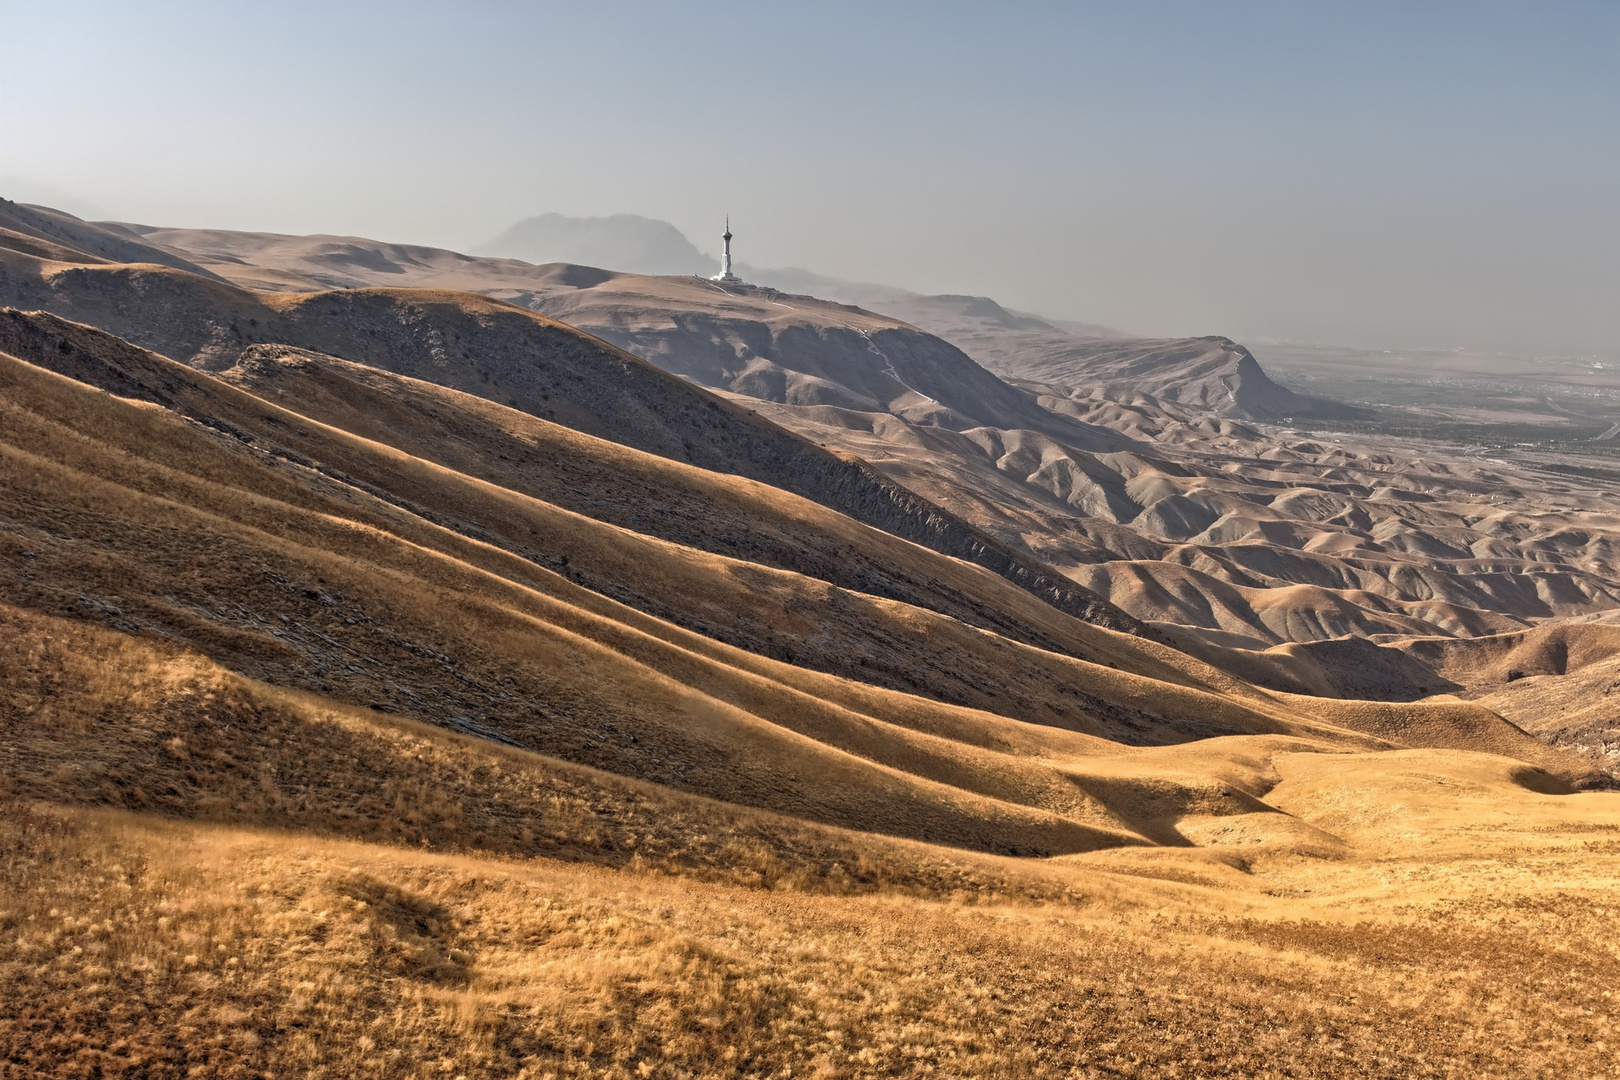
(1443,174)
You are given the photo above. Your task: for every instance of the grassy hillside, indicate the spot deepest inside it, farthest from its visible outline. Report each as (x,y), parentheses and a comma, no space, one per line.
(204,875)
(356,724)
(139,945)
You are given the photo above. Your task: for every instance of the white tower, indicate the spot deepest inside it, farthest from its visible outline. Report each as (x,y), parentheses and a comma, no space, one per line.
(725,273)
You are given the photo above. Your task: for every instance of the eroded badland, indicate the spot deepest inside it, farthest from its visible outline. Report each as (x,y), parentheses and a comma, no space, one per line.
(539,671)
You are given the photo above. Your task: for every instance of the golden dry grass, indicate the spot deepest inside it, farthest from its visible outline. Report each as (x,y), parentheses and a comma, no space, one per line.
(201,875)
(136,948)
(100,718)
(237,839)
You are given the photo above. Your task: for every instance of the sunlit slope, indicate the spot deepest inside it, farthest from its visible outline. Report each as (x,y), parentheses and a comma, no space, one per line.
(101,718)
(1213,375)
(1240,535)
(352,884)
(1487,662)
(55,236)
(332,598)
(358,726)
(173,948)
(296,587)
(1561,682)
(284,572)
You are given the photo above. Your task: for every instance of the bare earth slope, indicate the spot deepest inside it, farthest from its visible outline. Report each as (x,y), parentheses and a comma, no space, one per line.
(1559,681)
(1215,375)
(282,505)
(1270,565)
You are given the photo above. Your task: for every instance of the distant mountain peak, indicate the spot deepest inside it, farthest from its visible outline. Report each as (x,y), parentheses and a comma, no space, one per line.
(625,242)
(982,307)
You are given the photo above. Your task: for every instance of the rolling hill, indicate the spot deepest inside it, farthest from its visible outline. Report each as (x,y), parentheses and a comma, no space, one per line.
(1160,475)
(401,682)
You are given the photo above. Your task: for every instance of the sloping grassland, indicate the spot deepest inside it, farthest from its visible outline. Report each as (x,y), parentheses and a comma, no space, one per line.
(360,725)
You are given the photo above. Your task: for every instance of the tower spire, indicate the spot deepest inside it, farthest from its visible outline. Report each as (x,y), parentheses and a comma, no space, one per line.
(725,273)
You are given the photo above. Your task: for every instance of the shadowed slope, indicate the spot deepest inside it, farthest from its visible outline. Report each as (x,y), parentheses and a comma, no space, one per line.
(1561,682)
(101,717)
(1557,649)
(1306,543)
(361,598)
(345,478)
(409,889)
(356,725)
(847,634)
